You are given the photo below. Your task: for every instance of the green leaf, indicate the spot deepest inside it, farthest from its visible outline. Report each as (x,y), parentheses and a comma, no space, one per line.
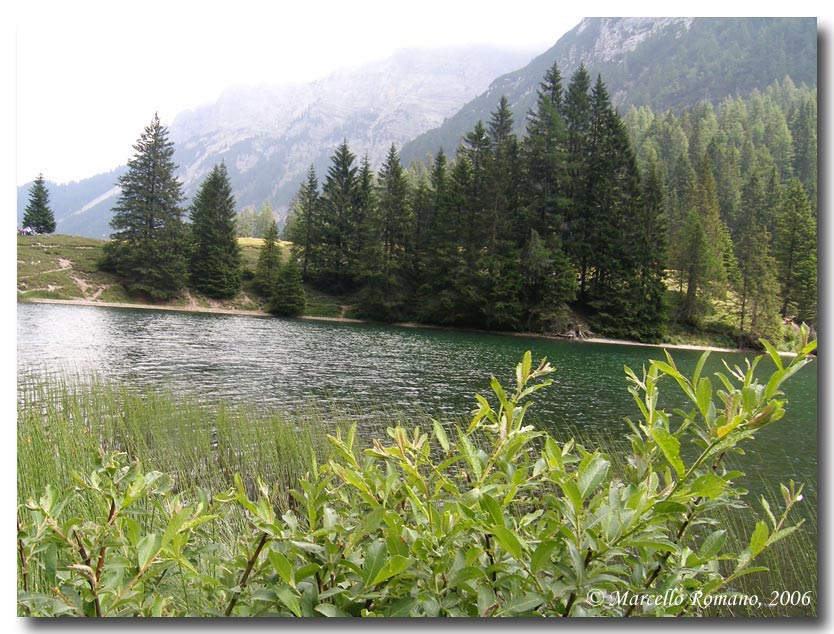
(394,566)
(328,609)
(671,448)
(541,556)
(774,354)
(571,492)
(290,600)
(703,395)
(699,366)
(464,574)
(526,364)
(592,474)
(708,486)
(489,505)
(375,555)
(174,525)
(147,549)
(758,539)
(669,508)
(525,604)
(712,545)
(553,454)
(282,566)
(509,541)
(440,434)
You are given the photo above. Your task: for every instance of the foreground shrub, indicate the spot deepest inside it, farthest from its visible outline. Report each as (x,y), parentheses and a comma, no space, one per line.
(497,519)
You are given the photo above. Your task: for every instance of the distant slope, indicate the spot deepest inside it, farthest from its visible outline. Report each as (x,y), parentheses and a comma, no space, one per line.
(660,62)
(269,135)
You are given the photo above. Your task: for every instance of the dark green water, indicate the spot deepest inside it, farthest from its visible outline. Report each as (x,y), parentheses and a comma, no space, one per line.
(287,364)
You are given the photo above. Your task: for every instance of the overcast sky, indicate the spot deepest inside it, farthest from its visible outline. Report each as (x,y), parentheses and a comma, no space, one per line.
(91,75)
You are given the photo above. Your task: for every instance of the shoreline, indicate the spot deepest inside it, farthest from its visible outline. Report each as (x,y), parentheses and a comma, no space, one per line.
(347,320)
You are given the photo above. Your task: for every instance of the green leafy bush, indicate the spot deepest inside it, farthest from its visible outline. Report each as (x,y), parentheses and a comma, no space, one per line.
(497,519)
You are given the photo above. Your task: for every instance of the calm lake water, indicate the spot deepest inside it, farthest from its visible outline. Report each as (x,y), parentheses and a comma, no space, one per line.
(286,364)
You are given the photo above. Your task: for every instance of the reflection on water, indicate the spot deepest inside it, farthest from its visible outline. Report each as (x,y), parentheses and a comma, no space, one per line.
(288,363)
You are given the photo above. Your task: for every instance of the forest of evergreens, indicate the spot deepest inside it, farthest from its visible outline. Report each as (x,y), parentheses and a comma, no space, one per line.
(632,226)
(633,223)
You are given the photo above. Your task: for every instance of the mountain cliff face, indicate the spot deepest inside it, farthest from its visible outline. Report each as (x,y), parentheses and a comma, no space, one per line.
(269,135)
(659,62)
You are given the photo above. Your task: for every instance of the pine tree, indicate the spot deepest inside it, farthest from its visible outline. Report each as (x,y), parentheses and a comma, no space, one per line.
(304,225)
(339,199)
(698,262)
(288,297)
(215,260)
(577,115)
(545,157)
(795,249)
(38,214)
(385,289)
(148,244)
(269,263)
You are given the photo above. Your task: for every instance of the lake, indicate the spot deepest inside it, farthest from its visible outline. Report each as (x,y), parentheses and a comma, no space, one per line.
(288,364)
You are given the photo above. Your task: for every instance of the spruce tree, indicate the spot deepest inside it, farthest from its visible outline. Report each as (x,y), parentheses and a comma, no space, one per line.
(269,263)
(38,214)
(795,249)
(385,287)
(148,244)
(304,225)
(339,201)
(215,260)
(288,297)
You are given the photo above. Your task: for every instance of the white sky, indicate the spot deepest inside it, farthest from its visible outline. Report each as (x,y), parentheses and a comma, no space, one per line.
(90,75)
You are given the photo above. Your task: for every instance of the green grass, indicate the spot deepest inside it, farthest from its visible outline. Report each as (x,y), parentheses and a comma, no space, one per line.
(64,425)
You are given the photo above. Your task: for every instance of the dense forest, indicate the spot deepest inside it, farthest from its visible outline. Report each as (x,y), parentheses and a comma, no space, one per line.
(634,227)
(632,223)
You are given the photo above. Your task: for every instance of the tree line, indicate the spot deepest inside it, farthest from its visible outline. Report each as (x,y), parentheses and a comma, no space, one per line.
(156,253)
(631,223)
(512,233)
(507,233)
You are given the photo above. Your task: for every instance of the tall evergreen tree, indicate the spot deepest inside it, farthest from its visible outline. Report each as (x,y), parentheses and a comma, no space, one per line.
(698,262)
(304,226)
(215,261)
(38,215)
(147,246)
(544,157)
(269,263)
(339,199)
(577,115)
(795,249)
(385,289)
(288,297)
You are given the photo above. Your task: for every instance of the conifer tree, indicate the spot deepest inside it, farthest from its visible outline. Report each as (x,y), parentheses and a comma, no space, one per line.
(148,244)
(339,198)
(269,263)
(384,292)
(577,115)
(215,260)
(288,297)
(795,249)
(38,214)
(304,225)
(544,157)
(698,261)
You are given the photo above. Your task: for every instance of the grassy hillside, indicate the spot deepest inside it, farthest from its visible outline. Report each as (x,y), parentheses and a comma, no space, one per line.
(64,267)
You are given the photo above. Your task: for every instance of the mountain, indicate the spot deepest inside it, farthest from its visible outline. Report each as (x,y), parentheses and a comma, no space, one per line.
(658,62)
(269,135)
